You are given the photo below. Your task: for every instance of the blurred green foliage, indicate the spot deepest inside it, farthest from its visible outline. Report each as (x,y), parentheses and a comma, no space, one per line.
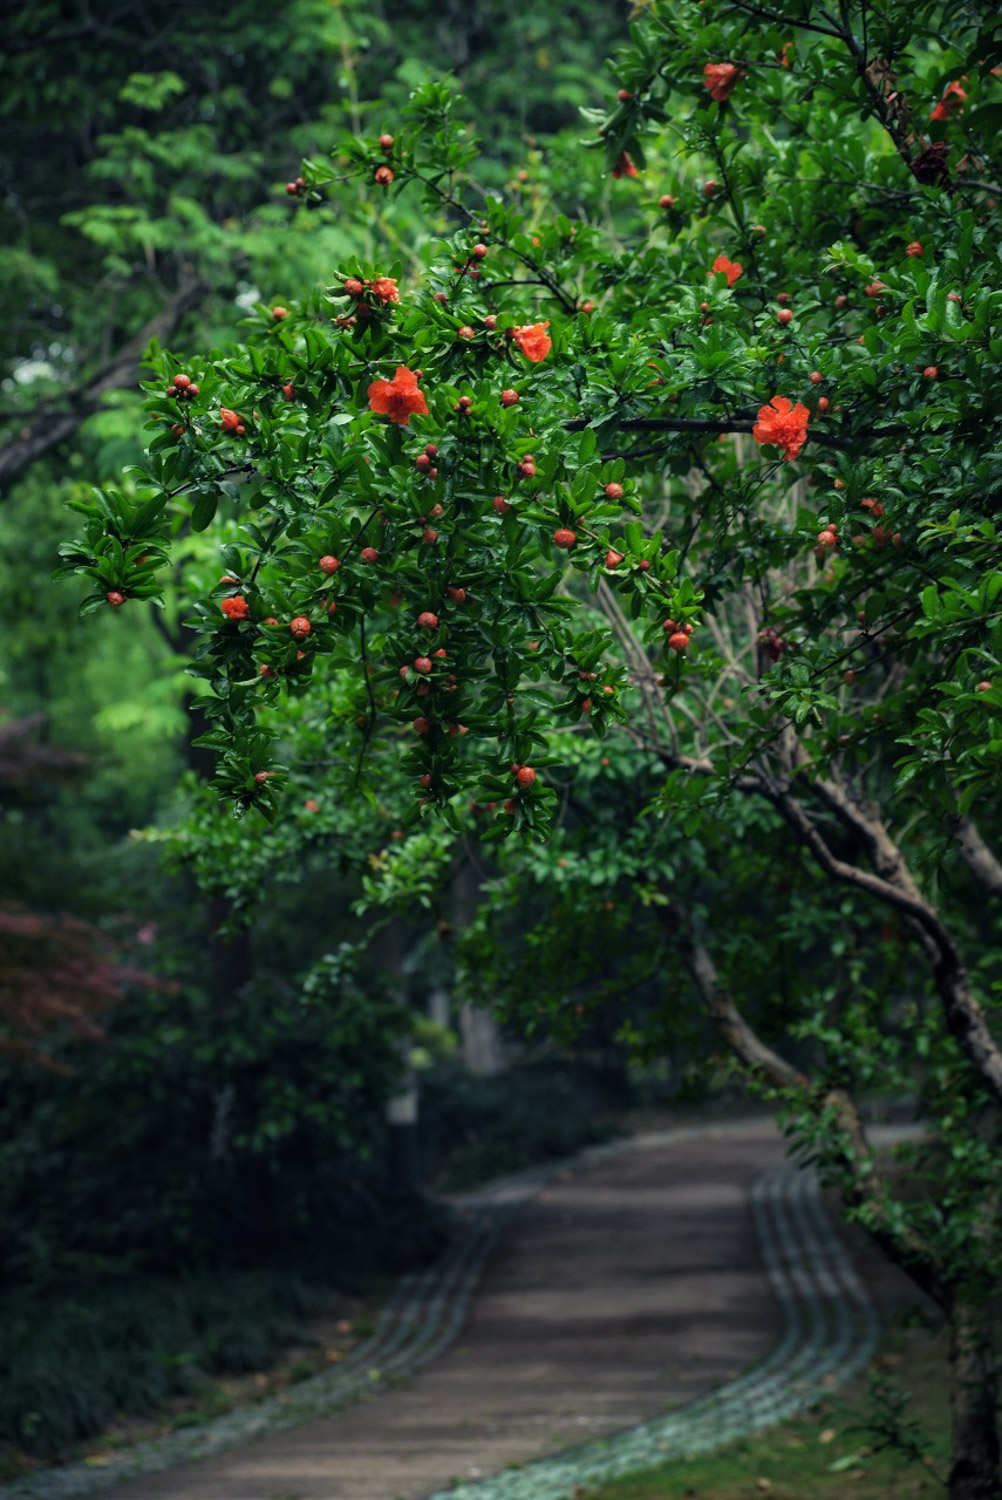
(236,1120)
(548,1107)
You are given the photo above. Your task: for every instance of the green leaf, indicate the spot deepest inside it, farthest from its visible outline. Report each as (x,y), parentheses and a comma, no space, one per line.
(203,509)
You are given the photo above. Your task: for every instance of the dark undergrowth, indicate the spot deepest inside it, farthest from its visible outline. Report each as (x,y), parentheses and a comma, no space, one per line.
(70,1363)
(107,1339)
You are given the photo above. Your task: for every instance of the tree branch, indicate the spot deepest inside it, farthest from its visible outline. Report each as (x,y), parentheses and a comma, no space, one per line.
(979,183)
(890,881)
(752,1052)
(847,1146)
(718,425)
(47,427)
(982,861)
(962,1010)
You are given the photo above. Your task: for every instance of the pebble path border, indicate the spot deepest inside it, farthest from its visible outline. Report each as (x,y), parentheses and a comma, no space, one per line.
(829,1332)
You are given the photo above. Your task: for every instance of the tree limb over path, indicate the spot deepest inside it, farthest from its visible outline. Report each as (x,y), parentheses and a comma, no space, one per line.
(847,1143)
(51,424)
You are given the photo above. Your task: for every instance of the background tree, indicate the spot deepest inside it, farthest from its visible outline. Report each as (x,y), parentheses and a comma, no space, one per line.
(140,200)
(429,497)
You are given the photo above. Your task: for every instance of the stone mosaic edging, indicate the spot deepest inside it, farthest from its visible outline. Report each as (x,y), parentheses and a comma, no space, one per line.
(829,1332)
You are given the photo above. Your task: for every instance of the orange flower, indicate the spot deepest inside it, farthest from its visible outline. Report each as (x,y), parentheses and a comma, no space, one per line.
(951,103)
(398,398)
(732,269)
(784,54)
(720,79)
(782,423)
(385,288)
(236,608)
(533,340)
(229,421)
(625,165)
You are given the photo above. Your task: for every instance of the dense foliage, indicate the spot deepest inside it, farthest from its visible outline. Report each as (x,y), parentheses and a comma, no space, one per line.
(706,530)
(697,441)
(148,200)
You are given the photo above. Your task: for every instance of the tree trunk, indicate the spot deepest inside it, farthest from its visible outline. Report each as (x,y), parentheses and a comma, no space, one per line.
(974,1467)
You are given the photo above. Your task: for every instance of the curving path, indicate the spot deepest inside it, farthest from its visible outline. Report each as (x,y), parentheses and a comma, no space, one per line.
(626,1292)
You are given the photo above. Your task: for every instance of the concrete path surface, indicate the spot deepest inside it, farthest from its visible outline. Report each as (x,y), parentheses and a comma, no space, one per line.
(629,1285)
(640,1278)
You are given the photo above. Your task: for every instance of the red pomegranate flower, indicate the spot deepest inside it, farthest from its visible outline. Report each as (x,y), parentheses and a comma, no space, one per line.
(951,103)
(732,269)
(625,165)
(236,608)
(533,340)
(398,398)
(782,423)
(385,288)
(720,79)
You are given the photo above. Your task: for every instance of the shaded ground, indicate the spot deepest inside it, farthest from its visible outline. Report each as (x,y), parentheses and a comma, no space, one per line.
(630,1285)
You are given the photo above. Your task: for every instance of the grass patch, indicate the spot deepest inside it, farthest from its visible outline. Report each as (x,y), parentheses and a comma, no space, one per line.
(885,1434)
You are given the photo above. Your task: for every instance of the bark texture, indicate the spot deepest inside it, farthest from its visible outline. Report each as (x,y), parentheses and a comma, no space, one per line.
(974,1466)
(980,858)
(51,424)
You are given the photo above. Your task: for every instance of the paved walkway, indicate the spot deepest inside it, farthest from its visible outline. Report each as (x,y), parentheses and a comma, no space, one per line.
(640,1279)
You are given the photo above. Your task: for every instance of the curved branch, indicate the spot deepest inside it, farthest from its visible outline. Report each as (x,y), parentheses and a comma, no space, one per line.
(48,426)
(739,423)
(864,1190)
(910,903)
(755,1055)
(962,1011)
